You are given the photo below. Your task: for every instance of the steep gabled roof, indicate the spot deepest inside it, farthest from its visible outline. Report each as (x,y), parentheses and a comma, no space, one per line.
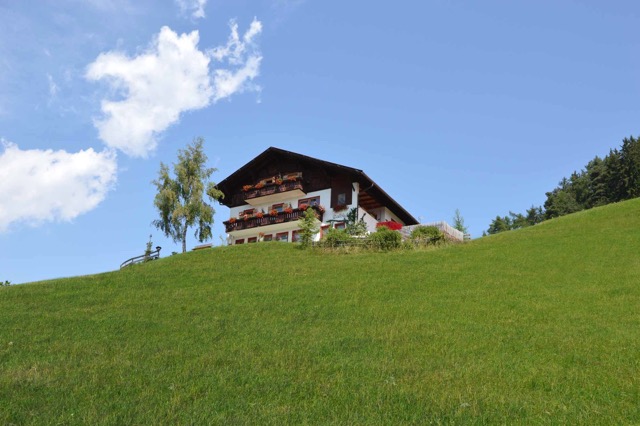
(367,185)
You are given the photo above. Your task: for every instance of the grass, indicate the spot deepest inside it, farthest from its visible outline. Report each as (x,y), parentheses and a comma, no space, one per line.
(540,325)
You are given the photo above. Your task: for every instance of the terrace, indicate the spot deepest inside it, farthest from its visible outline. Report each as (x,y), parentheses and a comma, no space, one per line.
(272,218)
(274,189)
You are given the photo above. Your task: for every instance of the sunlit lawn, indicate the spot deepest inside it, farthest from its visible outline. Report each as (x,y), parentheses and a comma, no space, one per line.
(534,326)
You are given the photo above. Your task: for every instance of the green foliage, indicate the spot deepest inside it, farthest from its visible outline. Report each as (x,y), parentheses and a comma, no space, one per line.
(427,235)
(354,226)
(5,283)
(309,227)
(179,200)
(336,238)
(147,250)
(458,222)
(384,239)
(534,216)
(534,327)
(499,224)
(614,178)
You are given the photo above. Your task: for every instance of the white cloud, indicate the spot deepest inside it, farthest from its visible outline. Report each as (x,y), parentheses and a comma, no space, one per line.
(228,82)
(40,186)
(53,87)
(195,7)
(244,57)
(169,78)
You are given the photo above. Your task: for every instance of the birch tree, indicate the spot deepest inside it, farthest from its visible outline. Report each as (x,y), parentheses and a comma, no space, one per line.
(180,199)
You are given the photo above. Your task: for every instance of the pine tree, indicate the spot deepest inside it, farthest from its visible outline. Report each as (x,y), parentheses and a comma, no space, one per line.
(458,222)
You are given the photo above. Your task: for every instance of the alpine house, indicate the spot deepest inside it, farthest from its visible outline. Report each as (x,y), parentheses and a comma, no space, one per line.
(268,195)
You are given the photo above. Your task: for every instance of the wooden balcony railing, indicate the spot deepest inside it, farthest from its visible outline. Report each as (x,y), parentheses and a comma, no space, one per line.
(281,217)
(273,189)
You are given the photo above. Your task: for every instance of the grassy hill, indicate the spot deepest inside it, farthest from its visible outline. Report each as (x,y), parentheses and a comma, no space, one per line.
(540,325)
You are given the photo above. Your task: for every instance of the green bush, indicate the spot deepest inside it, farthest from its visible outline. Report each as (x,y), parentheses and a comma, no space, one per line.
(384,239)
(336,238)
(427,235)
(308,227)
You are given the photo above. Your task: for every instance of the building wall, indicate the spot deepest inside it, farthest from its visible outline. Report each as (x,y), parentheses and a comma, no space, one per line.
(383,214)
(330,216)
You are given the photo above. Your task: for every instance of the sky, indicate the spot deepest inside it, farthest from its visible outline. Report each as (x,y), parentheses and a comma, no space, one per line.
(476,106)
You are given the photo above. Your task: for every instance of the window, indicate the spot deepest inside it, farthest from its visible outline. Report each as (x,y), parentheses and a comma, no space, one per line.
(252,240)
(295,236)
(268,238)
(342,199)
(278,207)
(313,201)
(323,230)
(282,236)
(340,225)
(240,241)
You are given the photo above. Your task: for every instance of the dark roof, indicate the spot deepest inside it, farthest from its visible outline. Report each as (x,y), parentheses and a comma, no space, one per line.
(367,185)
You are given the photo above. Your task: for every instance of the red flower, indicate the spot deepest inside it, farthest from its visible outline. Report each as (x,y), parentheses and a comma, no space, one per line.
(303,207)
(273,212)
(394,226)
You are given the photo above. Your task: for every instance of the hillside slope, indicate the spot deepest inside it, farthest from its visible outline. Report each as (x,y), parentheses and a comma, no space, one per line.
(540,325)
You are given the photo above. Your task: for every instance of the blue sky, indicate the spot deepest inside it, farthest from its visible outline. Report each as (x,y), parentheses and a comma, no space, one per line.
(479,106)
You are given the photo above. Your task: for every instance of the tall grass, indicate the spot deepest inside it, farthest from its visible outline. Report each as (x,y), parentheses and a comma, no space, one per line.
(540,325)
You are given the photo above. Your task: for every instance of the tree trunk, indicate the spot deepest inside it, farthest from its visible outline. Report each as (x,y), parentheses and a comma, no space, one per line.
(184,240)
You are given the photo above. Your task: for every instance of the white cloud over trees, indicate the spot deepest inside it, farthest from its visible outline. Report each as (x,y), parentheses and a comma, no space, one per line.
(45,185)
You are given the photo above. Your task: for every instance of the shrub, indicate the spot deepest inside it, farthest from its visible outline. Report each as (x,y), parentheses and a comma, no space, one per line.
(336,238)
(355,227)
(384,239)
(427,235)
(308,227)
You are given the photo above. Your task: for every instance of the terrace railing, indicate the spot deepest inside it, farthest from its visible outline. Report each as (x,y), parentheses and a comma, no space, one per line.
(273,189)
(267,219)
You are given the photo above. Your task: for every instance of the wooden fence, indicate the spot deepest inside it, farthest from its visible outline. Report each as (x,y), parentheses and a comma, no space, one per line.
(449,231)
(143,258)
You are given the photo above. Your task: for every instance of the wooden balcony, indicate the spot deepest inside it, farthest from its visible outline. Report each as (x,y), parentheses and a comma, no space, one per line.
(270,194)
(255,221)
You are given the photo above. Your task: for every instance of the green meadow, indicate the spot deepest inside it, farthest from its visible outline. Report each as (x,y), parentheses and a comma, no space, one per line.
(535,326)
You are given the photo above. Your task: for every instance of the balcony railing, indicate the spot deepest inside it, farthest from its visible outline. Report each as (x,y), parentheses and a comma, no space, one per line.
(273,189)
(266,219)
